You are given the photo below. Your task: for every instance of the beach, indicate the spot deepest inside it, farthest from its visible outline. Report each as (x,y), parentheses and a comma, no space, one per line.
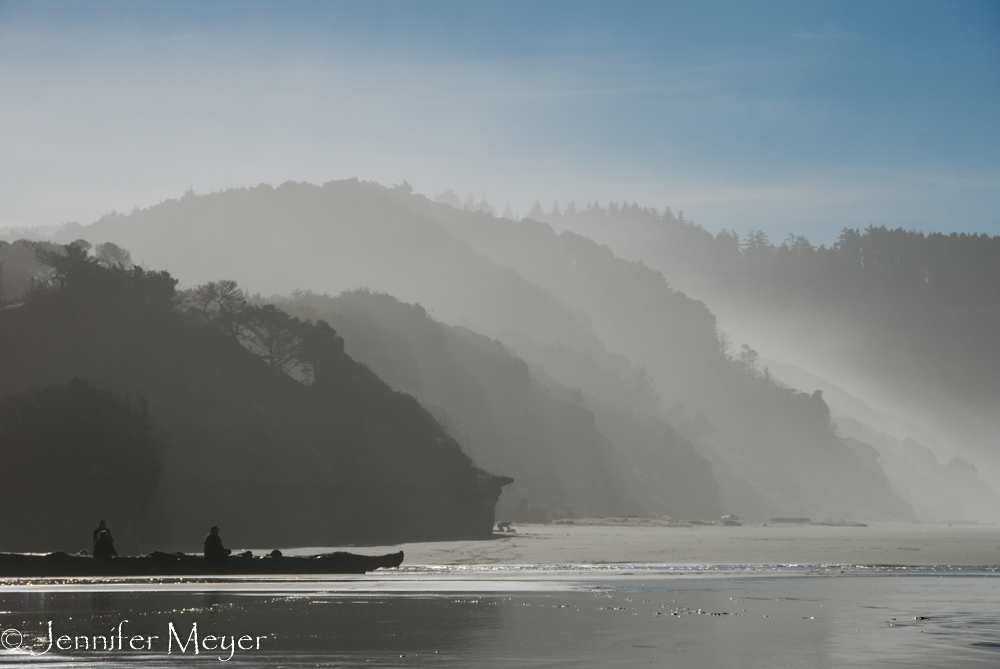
(624,593)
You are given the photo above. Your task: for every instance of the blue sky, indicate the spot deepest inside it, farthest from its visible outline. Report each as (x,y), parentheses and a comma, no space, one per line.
(787,117)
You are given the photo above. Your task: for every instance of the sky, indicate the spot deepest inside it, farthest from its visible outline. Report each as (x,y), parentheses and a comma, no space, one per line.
(799,117)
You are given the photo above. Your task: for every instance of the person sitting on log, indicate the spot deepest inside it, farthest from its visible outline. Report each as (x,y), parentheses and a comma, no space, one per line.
(102,527)
(104,547)
(213,545)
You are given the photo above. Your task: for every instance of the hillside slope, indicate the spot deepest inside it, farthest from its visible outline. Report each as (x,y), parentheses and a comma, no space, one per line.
(575,455)
(905,320)
(562,302)
(273,461)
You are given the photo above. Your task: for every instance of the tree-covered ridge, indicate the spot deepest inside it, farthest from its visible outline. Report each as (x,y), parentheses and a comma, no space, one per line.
(580,313)
(906,319)
(772,450)
(917,313)
(308,350)
(574,455)
(960,266)
(335,457)
(955,266)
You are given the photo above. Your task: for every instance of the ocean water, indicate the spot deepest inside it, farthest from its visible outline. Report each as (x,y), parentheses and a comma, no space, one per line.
(517,615)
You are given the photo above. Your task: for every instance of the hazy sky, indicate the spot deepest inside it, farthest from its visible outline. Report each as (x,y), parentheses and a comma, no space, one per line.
(798,116)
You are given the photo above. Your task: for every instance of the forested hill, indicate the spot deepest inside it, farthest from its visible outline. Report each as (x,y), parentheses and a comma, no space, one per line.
(333,457)
(909,319)
(585,317)
(570,453)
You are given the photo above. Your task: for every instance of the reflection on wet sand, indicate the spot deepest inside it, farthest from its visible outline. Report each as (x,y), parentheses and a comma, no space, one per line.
(773,620)
(295,626)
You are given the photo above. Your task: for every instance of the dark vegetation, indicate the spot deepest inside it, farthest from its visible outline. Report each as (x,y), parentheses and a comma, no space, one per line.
(71,452)
(572,455)
(611,334)
(331,456)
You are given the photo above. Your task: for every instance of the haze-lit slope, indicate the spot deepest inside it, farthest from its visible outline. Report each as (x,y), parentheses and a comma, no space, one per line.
(555,299)
(271,460)
(908,322)
(952,490)
(771,445)
(551,440)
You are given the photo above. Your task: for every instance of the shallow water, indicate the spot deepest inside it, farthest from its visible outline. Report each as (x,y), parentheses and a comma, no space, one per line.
(524,616)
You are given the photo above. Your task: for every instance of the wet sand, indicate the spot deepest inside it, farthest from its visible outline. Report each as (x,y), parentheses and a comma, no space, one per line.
(610,594)
(699,622)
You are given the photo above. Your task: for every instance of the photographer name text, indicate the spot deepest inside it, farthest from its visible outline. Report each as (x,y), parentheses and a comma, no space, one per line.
(175,641)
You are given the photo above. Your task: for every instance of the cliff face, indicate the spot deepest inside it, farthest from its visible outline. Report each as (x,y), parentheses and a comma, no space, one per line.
(272,460)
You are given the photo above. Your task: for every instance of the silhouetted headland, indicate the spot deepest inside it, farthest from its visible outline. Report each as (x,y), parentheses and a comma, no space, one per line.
(122,395)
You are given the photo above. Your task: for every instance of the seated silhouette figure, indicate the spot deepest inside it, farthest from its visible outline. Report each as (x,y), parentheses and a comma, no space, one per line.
(213,545)
(104,547)
(102,527)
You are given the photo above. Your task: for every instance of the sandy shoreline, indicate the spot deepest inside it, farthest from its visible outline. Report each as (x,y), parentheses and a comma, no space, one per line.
(636,541)
(506,616)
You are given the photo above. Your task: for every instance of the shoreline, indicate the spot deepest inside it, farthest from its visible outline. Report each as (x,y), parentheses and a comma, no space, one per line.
(643,542)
